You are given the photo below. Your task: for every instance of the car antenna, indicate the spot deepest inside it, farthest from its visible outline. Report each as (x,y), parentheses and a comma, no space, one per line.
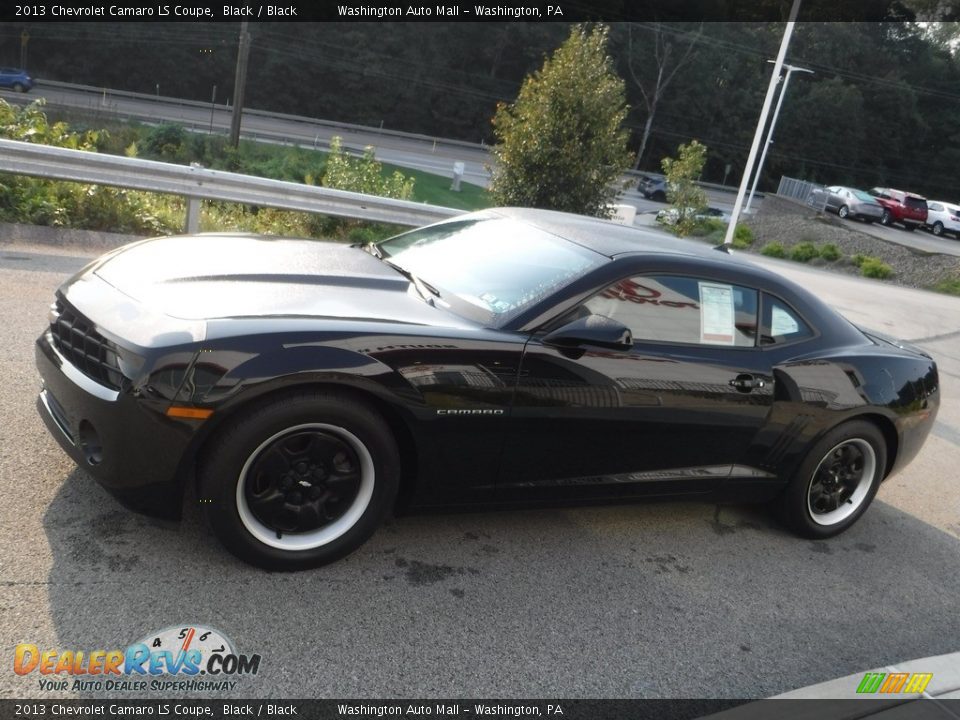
(724,248)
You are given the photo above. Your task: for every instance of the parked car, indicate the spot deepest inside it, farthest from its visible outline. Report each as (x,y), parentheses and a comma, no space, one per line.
(15,79)
(901,207)
(653,188)
(847,202)
(670,216)
(943,217)
(506,356)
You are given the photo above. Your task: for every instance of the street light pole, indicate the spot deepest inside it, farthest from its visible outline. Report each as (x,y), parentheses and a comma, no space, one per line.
(764,112)
(773,123)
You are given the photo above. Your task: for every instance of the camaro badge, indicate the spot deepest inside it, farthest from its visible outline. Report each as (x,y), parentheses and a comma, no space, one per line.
(469,412)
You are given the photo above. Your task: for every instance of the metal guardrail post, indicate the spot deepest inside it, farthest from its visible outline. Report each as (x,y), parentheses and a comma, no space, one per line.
(193,215)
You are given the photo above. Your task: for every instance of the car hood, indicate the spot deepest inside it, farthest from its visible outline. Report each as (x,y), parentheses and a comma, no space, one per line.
(204,277)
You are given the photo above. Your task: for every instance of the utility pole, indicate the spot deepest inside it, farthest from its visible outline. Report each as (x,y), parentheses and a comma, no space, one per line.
(773,124)
(240,80)
(24,39)
(764,113)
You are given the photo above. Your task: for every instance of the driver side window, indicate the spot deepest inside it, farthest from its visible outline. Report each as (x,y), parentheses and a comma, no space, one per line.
(676,309)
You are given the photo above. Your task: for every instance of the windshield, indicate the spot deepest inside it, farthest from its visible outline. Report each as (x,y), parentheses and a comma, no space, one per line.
(495,267)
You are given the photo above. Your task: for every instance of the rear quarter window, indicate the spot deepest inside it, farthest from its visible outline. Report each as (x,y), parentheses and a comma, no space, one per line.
(781,324)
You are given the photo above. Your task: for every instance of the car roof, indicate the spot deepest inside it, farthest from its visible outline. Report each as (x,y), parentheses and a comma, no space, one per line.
(602,236)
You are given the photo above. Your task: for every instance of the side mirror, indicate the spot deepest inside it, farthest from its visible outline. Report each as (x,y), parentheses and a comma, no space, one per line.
(592,330)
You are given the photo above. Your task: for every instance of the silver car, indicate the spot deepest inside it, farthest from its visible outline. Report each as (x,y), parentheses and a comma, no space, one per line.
(847,202)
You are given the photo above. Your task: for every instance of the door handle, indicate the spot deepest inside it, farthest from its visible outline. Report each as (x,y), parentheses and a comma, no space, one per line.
(745,383)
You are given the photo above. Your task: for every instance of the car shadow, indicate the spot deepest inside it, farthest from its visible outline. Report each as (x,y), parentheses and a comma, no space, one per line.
(676,599)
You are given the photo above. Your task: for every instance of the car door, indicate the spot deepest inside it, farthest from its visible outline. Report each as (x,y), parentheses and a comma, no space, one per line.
(669,415)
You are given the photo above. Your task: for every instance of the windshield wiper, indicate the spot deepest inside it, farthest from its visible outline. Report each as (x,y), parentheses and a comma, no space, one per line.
(424,288)
(373,249)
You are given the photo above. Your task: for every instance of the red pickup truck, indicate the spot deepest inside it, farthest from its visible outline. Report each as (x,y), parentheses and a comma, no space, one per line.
(901,207)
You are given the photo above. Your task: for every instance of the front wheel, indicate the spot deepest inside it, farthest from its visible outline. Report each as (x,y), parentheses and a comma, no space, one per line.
(19,87)
(836,481)
(659,196)
(300,482)
(886,219)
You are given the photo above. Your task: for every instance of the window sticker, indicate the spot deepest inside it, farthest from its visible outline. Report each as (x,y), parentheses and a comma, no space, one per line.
(716,314)
(782,322)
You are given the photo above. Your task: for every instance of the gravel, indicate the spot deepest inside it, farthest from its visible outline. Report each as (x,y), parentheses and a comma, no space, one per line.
(791,224)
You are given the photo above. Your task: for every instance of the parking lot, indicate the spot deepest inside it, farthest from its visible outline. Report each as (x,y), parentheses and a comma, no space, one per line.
(655,600)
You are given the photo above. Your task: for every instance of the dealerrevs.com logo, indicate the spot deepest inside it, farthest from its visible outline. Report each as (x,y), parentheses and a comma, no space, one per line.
(179,658)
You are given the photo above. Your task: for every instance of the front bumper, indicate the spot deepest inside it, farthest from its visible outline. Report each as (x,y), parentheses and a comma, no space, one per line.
(130,448)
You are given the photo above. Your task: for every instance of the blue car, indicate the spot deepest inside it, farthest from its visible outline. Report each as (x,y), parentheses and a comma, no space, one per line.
(15,79)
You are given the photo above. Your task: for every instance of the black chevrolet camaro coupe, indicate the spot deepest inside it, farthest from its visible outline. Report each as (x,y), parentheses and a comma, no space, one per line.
(503,357)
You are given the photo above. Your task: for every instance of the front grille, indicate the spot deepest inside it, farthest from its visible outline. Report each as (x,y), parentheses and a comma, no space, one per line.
(85,348)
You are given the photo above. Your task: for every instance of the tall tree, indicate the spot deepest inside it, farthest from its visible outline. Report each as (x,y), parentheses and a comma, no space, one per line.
(669,56)
(561,143)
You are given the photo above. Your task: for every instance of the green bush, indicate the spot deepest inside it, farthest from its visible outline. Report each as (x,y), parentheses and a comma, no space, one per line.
(872,267)
(167,142)
(708,226)
(858,259)
(804,252)
(774,250)
(68,204)
(742,237)
(830,252)
(950,286)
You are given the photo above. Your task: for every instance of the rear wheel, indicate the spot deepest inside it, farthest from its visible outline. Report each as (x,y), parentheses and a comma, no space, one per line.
(844,211)
(938,228)
(836,482)
(885,219)
(300,482)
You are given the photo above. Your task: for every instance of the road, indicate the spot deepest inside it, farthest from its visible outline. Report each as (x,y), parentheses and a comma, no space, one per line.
(435,155)
(656,600)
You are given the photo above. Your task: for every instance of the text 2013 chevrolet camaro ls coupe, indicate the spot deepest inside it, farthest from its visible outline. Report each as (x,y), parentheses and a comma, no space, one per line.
(501,357)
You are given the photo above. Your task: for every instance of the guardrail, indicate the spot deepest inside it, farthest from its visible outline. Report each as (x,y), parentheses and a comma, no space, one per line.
(196,184)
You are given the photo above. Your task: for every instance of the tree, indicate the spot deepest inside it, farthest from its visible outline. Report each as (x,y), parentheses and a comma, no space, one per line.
(668,58)
(363,175)
(561,143)
(684,194)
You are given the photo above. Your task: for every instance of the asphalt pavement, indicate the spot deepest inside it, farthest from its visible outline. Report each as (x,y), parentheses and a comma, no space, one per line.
(672,599)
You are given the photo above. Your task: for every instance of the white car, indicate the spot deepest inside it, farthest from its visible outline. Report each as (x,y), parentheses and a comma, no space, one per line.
(943,218)
(670,216)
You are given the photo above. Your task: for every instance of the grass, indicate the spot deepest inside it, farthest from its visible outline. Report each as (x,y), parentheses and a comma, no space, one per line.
(435,190)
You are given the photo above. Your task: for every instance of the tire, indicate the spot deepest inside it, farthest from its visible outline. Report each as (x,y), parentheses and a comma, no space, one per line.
(659,196)
(885,219)
(805,505)
(300,482)
(18,87)
(843,211)
(938,228)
